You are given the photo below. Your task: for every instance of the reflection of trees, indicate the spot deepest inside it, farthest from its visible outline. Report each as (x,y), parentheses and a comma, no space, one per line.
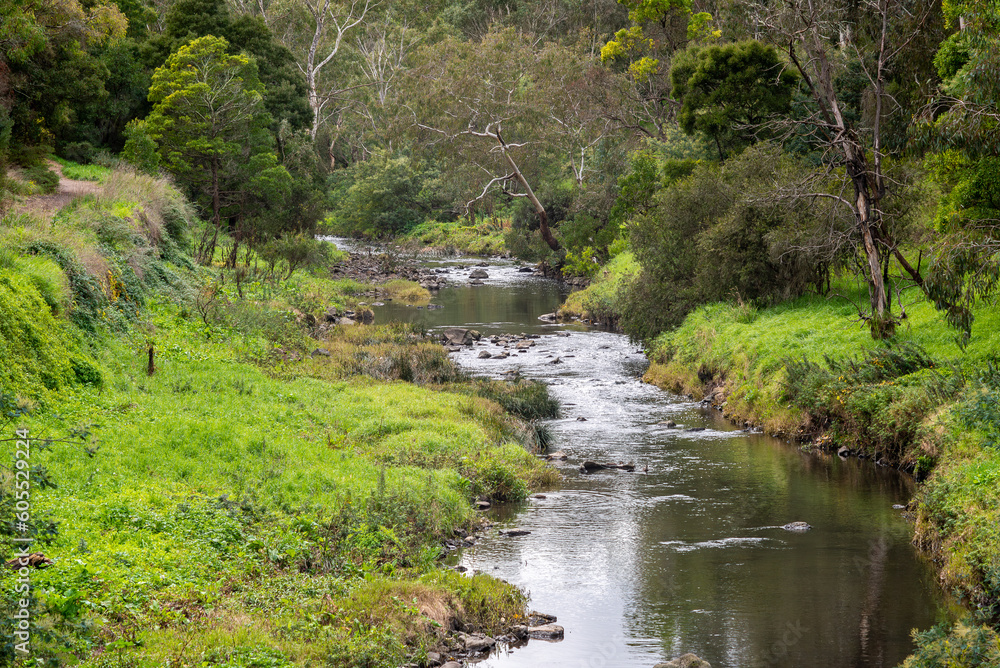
(820,598)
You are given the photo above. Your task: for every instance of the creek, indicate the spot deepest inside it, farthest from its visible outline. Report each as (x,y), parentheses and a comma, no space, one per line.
(686,554)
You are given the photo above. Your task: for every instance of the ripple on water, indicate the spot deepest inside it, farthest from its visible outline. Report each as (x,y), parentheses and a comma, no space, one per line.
(742,541)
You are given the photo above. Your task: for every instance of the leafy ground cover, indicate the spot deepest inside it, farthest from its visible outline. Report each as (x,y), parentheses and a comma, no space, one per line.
(249,500)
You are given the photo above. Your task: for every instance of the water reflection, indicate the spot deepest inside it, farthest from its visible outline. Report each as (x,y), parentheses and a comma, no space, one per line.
(689,557)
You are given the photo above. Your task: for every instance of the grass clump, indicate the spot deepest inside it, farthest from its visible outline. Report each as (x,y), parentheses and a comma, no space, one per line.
(601,300)
(407,292)
(78,172)
(484,237)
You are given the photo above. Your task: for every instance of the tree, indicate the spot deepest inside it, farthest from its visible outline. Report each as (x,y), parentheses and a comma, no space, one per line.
(210,125)
(501,109)
(962,126)
(287,96)
(644,49)
(727,92)
(817,36)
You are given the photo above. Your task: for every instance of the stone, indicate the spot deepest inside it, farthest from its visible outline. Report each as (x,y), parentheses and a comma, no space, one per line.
(483,355)
(686,661)
(452,664)
(589,466)
(478,273)
(478,643)
(844,451)
(524,345)
(562,334)
(525,270)
(513,533)
(581,419)
(548,317)
(483,505)
(458,336)
(546,632)
(345,321)
(433,659)
(476,281)
(558,454)
(797,526)
(556,361)
(320,351)
(669,424)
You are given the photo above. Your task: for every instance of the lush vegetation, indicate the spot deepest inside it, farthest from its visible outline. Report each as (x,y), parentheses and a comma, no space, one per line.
(211,479)
(758,191)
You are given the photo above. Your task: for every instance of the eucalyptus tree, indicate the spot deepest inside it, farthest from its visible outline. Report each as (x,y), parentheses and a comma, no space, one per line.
(819,40)
(500,108)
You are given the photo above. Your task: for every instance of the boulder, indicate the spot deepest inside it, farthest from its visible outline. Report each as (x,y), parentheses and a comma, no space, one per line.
(525,270)
(558,454)
(548,317)
(320,351)
(589,466)
(478,643)
(478,273)
(459,336)
(483,505)
(686,661)
(536,618)
(670,424)
(524,345)
(345,321)
(484,355)
(546,632)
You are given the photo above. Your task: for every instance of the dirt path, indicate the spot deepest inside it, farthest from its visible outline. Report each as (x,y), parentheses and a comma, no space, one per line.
(46,206)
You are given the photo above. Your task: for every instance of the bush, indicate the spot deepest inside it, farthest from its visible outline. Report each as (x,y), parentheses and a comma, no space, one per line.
(715,214)
(43,177)
(962,646)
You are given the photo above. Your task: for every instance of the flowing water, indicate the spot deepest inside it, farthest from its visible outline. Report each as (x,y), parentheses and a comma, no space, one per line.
(687,554)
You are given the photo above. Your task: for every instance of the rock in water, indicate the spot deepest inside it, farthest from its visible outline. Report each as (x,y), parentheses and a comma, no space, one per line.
(478,273)
(546,632)
(687,661)
(796,526)
(458,336)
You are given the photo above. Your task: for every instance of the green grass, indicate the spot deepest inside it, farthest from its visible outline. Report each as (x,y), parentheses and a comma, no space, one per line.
(78,172)
(247,503)
(485,237)
(600,300)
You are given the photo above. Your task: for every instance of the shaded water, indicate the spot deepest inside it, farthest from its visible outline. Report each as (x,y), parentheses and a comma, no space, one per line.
(689,556)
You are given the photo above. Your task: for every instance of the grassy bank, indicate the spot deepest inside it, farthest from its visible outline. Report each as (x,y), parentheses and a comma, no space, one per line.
(484,237)
(275,491)
(600,301)
(804,370)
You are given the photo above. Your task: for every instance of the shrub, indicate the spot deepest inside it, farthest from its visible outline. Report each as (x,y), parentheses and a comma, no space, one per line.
(43,177)
(962,646)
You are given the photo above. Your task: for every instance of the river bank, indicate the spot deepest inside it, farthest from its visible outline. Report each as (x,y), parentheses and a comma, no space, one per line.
(227,467)
(803,372)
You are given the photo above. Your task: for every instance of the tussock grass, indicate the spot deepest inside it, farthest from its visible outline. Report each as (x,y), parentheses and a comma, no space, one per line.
(406,291)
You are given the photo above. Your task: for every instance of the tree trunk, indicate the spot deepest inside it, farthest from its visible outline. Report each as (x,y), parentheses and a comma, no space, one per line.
(543,218)
(882,325)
